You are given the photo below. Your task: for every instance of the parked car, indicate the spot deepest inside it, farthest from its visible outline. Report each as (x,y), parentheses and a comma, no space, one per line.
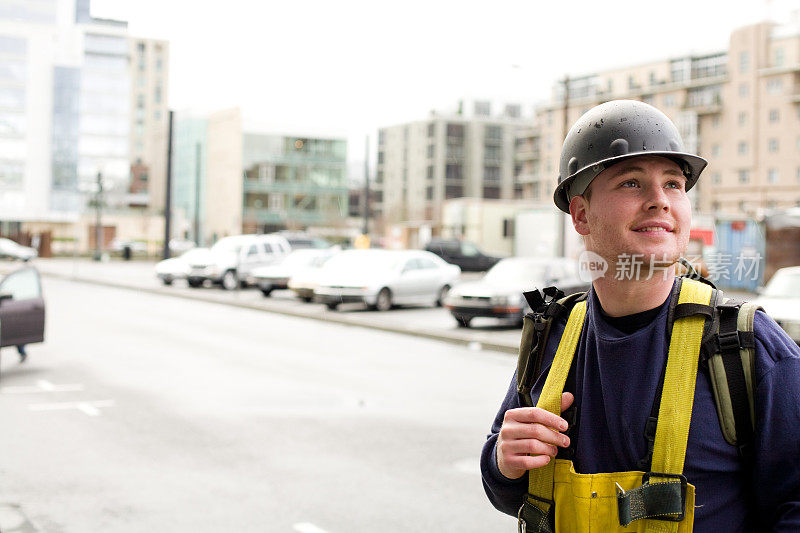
(781,300)
(12,250)
(22,309)
(384,278)
(276,277)
(304,282)
(176,268)
(178,246)
(499,293)
(232,258)
(462,253)
(303,240)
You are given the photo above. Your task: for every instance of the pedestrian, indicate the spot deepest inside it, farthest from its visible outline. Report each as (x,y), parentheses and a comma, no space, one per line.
(639,441)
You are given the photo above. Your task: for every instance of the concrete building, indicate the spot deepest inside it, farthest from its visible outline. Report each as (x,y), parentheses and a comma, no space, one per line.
(228,181)
(149,125)
(468,153)
(738,108)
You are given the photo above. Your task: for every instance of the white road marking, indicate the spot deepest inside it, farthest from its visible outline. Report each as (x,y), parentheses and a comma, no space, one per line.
(43,386)
(88,408)
(305,527)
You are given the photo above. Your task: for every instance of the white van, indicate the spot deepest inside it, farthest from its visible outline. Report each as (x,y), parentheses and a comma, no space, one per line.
(232,258)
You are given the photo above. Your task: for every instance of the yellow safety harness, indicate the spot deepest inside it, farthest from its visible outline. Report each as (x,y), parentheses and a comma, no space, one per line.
(560,499)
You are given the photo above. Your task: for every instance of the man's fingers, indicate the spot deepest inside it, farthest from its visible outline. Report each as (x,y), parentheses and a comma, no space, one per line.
(536,415)
(566,400)
(518,431)
(527,446)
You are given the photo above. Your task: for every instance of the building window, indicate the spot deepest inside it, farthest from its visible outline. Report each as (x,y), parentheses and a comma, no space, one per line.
(455,131)
(513,110)
(429,174)
(453,191)
(508,227)
(483,109)
(494,133)
(715,206)
(742,148)
(742,118)
(715,150)
(429,193)
(744,90)
(715,121)
(774,115)
(431,129)
(742,206)
(744,61)
(716,178)
(491,192)
(381,137)
(773,145)
(772,175)
(669,101)
(491,174)
(779,57)
(379,177)
(492,153)
(535,186)
(431,150)
(275,202)
(380,157)
(775,86)
(453,172)
(744,176)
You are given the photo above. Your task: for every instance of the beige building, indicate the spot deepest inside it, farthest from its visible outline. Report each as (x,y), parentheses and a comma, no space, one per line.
(149,67)
(468,153)
(739,108)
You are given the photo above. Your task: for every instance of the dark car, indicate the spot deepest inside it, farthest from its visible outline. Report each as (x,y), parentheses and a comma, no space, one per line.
(21,308)
(462,253)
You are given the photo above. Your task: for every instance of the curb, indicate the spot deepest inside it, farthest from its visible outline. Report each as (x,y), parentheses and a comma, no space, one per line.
(330,317)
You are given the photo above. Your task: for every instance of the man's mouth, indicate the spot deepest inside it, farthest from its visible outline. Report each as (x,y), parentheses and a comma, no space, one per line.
(651,228)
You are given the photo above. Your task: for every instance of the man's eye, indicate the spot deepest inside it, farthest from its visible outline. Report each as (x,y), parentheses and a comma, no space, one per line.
(674,185)
(630,183)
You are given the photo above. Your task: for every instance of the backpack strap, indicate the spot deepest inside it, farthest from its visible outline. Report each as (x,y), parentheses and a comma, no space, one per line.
(730,354)
(547,306)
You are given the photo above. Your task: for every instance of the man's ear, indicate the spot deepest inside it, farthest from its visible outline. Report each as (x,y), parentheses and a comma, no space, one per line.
(578,207)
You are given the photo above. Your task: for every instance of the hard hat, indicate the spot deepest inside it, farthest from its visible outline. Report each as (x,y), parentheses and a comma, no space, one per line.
(614,131)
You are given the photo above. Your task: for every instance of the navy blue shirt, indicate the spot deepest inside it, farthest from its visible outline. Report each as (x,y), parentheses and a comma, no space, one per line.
(616,377)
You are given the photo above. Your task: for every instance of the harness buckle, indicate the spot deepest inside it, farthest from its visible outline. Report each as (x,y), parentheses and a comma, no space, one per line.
(533,518)
(729,341)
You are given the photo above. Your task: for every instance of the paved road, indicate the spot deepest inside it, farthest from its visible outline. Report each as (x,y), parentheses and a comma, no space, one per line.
(150,413)
(429,322)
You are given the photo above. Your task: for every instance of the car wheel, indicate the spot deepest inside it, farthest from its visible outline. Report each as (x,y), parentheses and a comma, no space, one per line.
(384,300)
(307,299)
(266,292)
(463,322)
(332,305)
(167,280)
(230,281)
(442,295)
(194,283)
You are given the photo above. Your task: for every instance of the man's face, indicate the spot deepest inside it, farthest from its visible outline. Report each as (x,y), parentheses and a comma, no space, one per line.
(637,207)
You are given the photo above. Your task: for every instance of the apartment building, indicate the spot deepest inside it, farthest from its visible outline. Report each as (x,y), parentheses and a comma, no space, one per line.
(739,108)
(149,124)
(467,153)
(227,180)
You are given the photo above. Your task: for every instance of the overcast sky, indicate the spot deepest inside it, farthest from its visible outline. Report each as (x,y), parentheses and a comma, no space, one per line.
(341,67)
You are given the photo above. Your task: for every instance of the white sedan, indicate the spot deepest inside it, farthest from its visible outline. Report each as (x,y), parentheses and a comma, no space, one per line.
(781,300)
(175,268)
(274,277)
(384,278)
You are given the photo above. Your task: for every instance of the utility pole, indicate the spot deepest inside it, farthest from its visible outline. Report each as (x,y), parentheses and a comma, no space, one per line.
(168,196)
(564,130)
(366,187)
(197,195)
(98,226)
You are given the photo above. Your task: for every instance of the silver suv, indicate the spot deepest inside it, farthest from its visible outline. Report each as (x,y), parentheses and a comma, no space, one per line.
(232,258)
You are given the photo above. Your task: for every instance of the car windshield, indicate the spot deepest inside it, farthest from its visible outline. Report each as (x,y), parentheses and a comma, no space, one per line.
(226,245)
(515,272)
(783,285)
(193,254)
(363,262)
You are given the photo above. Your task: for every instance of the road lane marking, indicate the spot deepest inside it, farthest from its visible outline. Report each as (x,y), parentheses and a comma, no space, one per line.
(306,527)
(88,408)
(43,385)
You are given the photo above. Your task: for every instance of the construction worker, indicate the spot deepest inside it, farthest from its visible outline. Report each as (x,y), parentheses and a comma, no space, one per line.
(633,438)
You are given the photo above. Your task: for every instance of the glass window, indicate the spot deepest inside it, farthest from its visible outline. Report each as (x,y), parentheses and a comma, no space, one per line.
(773,145)
(774,115)
(494,133)
(775,86)
(253,250)
(744,61)
(483,108)
(742,118)
(744,90)
(779,57)
(744,176)
(491,173)
(742,148)
(431,150)
(772,175)
(22,285)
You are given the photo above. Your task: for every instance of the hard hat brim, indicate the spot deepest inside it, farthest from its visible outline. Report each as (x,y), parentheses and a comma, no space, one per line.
(576,184)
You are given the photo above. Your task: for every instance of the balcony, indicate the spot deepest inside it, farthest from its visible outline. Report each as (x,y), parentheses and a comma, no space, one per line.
(527,154)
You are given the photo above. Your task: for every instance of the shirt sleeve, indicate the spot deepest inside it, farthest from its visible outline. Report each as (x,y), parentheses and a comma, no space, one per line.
(504,493)
(776,474)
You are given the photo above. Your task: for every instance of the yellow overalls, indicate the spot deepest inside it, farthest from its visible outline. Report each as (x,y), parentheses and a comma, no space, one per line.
(660,500)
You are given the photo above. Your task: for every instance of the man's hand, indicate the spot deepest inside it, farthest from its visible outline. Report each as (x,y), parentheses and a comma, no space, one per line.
(528,438)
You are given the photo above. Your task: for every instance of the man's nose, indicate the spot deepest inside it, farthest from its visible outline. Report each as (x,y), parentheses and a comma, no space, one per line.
(657,199)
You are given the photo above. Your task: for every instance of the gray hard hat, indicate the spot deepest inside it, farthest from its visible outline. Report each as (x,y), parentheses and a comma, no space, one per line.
(615,131)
